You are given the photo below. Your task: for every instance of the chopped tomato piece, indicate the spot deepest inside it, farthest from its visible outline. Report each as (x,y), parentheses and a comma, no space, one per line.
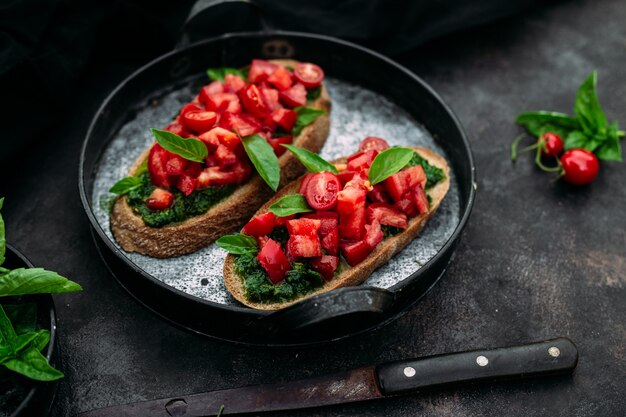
(326,266)
(361,161)
(224,102)
(186,184)
(190,107)
(281,78)
(225,157)
(345,176)
(209,90)
(420,199)
(199,121)
(355,252)
(304,182)
(373,143)
(285,118)
(175,165)
(330,242)
(193,169)
(401,182)
(386,214)
(260,70)
(243,124)
(261,240)
(234,82)
(359,181)
(260,225)
(304,246)
(220,136)
(303,227)
(293,97)
(270,98)
(157,166)
(310,75)
(274,261)
(321,191)
(328,219)
(373,234)
(282,221)
(351,209)
(378,194)
(177,129)
(215,176)
(253,102)
(160,199)
(407,205)
(276,142)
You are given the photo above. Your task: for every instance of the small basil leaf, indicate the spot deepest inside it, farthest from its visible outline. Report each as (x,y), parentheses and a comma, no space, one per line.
(311,161)
(306,116)
(611,149)
(32,364)
(388,162)
(263,158)
(3,242)
(575,139)
(126,185)
(35,281)
(143,167)
(238,244)
(218,74)
(23,316)
(539,122)
(42,339)
(290,204)
(191,149)
(313,94)
(587,106)
(7,332)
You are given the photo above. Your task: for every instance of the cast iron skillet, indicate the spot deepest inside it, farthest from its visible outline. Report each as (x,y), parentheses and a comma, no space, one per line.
(324,317)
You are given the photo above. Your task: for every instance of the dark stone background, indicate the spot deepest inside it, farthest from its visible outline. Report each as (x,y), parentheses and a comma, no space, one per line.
(538,259)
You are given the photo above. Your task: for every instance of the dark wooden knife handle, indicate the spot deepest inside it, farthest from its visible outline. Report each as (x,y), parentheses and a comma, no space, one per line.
(557,356)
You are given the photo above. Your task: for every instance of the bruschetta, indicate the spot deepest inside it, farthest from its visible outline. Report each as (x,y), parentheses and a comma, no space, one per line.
(331,229)
(174,204)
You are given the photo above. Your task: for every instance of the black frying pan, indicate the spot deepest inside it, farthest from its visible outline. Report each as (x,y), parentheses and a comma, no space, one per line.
(322,318)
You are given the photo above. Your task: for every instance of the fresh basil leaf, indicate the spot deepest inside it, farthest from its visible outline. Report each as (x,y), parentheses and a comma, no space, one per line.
(23,317)
(575,139)
(539,122)
(313,94)
(32,364)
(311,161)
(7,332)
(42,339)
(125,185)
(3,242)
(218,74)
(143,167)
(611,149)
(191,149)
(263,158)
(587,107)
(22,341)
(388,162)
(35,281)
(290,204)
(238,244)
(306,116)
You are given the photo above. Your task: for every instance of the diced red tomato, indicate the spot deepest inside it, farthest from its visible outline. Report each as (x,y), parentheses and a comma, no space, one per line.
(386,214)
(186,184)
(328,219)
(224,157)
(355,252)
(351,209)
(215,176)
(401,182)
(224,102)
(345,176)
(253,101)
(325,265)
(199,121)
(281,78)
(304,182)
(261,240)
(321,191)
(177,129)
(285,118)
(407,205)
(260,225)
(276,142)
(361,161)
(373,143)
(193,169)
(243,124)
(274,261)
(420,199)
(304,246)
(359,181)
(378,194)
(373,234)
(270,98)
(190,107)
(310,75)
(282,221)
(157,166)
(293,97)
(175,165)
(303,227)
(234,82)
(220,136)
(211,89)
(330,242)
(160,199)
(260,70)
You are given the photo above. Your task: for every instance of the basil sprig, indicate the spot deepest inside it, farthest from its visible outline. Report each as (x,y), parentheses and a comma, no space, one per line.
(588,129)
(126,185)
(34,281)
(306,116)
(3,241)
(311,161)
(218,74)
(388,162)
(192,149)
(238,244)
(290,204)
(263,158)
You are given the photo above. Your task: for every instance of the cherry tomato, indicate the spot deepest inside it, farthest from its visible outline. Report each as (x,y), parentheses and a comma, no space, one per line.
(310,75)
(373,143)
(199,121)
(253,102)
(552,144)
(580,166)
(321,191)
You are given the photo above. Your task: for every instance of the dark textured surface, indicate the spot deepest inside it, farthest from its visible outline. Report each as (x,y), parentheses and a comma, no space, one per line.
(537,260)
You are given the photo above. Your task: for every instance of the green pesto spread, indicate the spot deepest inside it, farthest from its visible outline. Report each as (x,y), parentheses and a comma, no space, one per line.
(183,207)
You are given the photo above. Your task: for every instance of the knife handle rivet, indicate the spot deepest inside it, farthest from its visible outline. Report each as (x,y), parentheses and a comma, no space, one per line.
(409,372)
(482,360)
(554,352)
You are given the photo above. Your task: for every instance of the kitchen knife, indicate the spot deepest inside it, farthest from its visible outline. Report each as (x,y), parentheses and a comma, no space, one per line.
(552,357)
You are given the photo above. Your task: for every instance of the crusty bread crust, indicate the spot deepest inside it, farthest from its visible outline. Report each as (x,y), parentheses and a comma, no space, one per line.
(228,215)
(379,256)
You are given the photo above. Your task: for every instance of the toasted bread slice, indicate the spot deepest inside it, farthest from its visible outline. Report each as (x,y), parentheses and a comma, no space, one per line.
(228,215)
(379,256)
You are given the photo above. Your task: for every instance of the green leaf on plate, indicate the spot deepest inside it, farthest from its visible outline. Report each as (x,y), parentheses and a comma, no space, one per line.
(290,204)
(238,244)
(191,149)
(388,162)
(126,185)
(218,74)
(263,158)
(32,364)
(306,116)
(35,281)
(311,161)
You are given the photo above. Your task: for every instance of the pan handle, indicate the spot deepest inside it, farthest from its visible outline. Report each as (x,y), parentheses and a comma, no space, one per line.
(208,18)
(331,309)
